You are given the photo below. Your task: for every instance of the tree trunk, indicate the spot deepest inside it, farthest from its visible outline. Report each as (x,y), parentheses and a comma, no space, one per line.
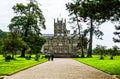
(12,55)
(89,54)
(24,38)
(81,45)
(82,55)
(80,38)
(23,53)
(111,56)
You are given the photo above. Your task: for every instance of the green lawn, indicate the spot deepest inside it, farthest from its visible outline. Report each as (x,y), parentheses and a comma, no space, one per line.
(107,65)
(7,68)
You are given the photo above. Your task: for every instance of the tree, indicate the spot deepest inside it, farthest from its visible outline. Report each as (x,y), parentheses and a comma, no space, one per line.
(110,50)
(84,42)
(96,50)
(116,40)
(13,42)
(114,51)
(94,12)
(2,36)
(36,43)
(1,45)
(100,50)
(85,11)
(74,9)
(29,20)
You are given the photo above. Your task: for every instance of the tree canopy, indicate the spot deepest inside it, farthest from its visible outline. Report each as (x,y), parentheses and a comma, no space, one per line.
(94,13)
(29,21)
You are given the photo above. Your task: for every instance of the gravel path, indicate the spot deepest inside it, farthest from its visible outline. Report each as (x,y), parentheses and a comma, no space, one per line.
(61,68)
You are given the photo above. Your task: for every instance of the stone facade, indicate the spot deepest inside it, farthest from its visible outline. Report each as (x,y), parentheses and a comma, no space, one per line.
(61,43)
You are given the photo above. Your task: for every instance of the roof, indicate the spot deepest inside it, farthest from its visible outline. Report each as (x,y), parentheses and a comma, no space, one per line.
(48,35)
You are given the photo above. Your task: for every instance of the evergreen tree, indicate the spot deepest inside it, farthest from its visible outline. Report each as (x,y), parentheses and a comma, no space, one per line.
(94,13)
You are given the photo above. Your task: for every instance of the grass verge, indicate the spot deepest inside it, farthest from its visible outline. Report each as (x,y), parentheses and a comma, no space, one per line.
(8,68)
(110,66)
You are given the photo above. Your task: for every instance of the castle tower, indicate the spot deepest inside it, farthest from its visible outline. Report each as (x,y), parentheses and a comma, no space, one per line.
(60,27)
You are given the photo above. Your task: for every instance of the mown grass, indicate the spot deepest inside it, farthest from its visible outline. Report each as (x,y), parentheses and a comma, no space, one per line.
(8,68)
(110,66)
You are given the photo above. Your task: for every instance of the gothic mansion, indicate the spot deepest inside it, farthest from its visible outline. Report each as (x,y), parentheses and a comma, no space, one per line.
(61,43)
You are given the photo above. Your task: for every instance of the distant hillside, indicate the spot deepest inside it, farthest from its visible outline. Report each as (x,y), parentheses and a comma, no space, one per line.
(3,34)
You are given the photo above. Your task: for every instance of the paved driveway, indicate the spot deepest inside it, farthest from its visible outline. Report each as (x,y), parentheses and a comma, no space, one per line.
(61,68)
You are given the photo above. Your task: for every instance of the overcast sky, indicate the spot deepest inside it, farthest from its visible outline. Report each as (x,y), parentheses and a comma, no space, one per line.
(53,9)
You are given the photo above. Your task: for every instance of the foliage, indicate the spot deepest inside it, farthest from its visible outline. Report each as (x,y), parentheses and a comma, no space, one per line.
(36,42)
(73,10)
(94,13)
(1,45)
(13,43)
(112,13)
(100,50)
(3,34)
(83,41)
(7,68)
(86,11)
(115,50)
(117,33)
(29,20)
(107,65)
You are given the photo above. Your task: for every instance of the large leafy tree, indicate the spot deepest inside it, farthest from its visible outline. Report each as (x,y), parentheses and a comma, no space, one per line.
(13,43)
(29,20)
(36,42)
